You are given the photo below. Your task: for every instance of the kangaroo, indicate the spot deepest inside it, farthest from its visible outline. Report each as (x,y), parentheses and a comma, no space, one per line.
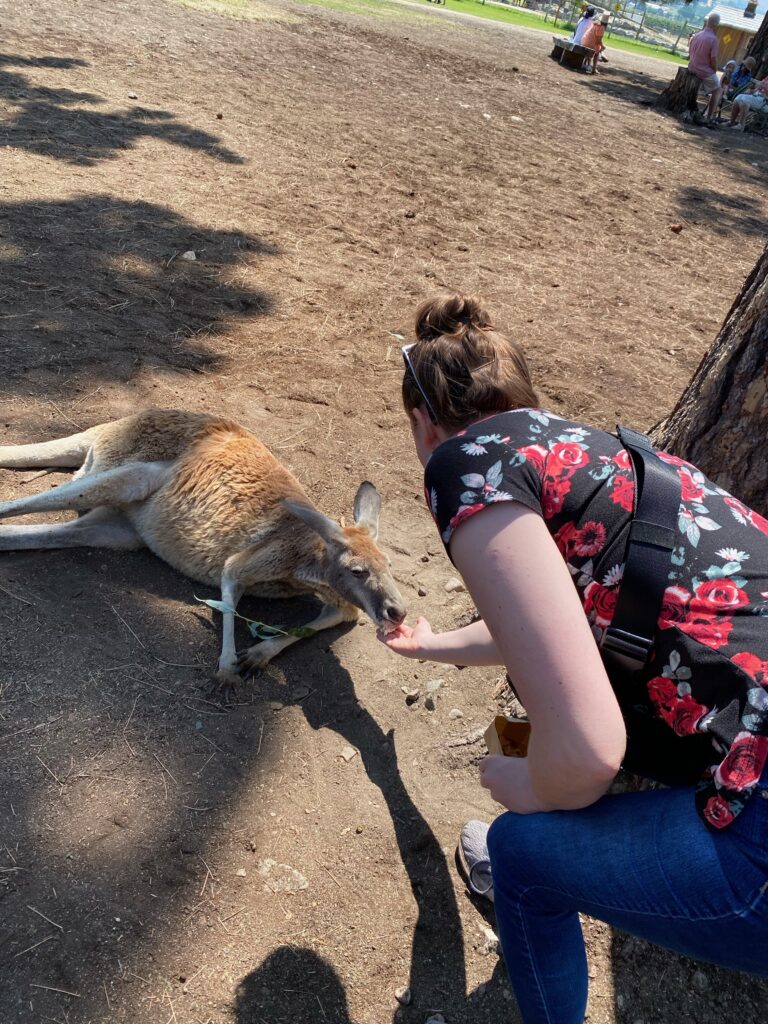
(206,496)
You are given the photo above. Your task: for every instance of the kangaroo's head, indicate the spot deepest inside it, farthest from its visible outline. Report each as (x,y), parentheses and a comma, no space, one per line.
(353,563)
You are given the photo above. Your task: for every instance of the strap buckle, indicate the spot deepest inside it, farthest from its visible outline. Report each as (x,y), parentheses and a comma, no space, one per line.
(628,647)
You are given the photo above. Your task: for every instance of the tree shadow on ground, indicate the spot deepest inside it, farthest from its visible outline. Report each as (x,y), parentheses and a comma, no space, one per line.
(54,122)
(723,214)
(655,985)
(96,287)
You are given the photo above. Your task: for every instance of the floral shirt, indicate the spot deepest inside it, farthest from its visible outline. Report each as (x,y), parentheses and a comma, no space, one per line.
(698,711)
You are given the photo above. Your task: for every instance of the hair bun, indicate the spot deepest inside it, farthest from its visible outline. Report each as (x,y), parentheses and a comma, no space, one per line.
(449,313)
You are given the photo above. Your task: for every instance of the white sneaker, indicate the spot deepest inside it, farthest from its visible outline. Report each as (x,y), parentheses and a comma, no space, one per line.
(472,856)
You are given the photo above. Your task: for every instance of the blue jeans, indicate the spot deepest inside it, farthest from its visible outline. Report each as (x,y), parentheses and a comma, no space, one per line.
(644,863)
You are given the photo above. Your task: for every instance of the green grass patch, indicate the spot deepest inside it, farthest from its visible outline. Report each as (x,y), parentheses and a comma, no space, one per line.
(492,12)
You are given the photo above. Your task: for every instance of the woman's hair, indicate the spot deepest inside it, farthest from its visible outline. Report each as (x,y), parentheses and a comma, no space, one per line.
(467,369)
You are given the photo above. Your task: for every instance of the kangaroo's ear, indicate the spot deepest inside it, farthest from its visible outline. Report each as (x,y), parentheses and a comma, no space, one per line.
(328,529)
(368,508)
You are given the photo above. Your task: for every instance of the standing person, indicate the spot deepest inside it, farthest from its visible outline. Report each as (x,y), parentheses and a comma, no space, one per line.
(702,62)
(593,38)
(535,513)
(583,24)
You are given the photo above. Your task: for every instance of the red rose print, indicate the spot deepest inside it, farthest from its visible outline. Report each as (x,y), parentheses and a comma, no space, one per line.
(757,520)
(736,505)
(599,604)
(553,496)
(661,690)
(673,460)
(682,714)
(718,596)
(464,513)
(711,630)
(589,539)
(565,538)
(623,492)
(753,666)
(536,455)
(674,606)
(622,460)
(718,812)
(691,491)
(744,762)
(569,454)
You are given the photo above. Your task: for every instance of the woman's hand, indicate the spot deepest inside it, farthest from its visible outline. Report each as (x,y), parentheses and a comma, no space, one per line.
(509,781)
(410,641)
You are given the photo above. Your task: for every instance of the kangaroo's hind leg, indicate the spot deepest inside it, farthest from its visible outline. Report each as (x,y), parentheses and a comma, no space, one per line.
(127,484)
(66,452)
(100,528)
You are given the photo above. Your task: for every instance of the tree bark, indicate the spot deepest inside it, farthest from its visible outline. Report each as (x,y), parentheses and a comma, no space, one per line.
(720,423)
(758,48)
(680,95)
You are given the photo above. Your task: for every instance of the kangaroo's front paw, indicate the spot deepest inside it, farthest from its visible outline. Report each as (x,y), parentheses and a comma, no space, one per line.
(252,660)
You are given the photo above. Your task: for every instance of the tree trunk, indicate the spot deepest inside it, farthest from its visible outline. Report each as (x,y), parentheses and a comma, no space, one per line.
(758,48)
(721,421)
(680,95)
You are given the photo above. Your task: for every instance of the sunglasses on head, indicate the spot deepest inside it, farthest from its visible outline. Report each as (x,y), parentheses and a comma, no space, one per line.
(406,351)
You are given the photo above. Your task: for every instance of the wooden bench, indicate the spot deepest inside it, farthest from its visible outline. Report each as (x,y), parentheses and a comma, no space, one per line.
(570,54)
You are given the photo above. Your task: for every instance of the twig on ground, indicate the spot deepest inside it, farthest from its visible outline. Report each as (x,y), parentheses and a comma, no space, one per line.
(41,914)
(17,598)
(51,988)
(171,664)
(40,943)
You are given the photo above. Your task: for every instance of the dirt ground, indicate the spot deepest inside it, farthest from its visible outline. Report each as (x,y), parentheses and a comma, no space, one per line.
(162,860)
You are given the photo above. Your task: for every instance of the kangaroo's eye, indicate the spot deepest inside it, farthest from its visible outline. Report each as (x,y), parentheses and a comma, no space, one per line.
(358,570)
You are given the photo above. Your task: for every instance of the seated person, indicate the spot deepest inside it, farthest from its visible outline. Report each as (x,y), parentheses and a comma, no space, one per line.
(740,78)
(753,99)
(593,38)
(583,24)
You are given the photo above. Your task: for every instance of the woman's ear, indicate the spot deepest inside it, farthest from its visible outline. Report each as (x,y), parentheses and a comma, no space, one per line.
(426,434)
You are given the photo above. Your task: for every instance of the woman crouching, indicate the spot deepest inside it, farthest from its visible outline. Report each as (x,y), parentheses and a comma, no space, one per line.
(534,511)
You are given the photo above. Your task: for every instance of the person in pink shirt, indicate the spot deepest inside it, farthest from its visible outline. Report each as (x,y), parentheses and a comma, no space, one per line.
(702,62)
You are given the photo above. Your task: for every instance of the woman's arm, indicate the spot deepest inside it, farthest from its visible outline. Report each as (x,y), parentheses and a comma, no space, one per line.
(470,645)
(524,592)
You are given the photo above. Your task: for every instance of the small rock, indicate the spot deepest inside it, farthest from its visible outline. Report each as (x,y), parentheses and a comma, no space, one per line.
(425,558)
(219,117)
(455,713)
(348,753)
(422,591)
(199,724)
(435,1018)
(240,872)
(620,1001)
(300,693)
(411,696)
(677,228)
(190,255)
(281,877)
(275,705)
(429,703)
(699,982)
(434,685)
(487,117)
(403,996)
(515,118)
(490,943)
(359,829)
(132,96)
(454,586)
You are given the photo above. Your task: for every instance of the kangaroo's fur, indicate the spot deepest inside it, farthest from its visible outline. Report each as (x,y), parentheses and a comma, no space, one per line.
(206,496)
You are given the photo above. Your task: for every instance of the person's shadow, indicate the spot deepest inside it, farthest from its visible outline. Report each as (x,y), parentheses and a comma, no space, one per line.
(297,980)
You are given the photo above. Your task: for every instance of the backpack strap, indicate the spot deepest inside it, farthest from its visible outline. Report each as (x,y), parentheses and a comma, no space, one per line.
(652,535)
